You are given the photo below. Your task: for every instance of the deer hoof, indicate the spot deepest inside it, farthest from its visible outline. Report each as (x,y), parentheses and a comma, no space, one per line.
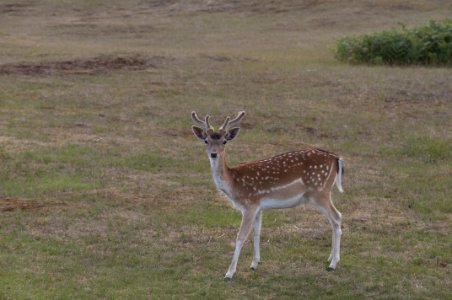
(254,266)
(228,276)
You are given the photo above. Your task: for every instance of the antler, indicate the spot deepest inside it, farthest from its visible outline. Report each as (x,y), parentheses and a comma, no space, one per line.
(204,124)
(225,124)
(208,126)
(236,121)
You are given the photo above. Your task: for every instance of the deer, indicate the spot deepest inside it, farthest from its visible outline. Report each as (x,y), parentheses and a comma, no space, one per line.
(282,181)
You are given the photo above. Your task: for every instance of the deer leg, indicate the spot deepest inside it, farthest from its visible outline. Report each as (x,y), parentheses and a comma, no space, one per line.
(248,218)
(256,241)
(335,220)
(334,217)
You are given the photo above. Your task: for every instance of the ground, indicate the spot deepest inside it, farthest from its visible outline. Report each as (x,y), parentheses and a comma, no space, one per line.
(106,193)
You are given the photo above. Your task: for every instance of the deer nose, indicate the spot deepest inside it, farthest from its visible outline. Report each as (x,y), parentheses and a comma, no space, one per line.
(213,155)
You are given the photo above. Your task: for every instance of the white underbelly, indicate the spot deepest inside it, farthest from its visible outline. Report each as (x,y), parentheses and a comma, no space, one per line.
(270,203)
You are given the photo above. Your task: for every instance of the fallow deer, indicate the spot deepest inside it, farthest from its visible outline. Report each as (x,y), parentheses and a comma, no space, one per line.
(282,181)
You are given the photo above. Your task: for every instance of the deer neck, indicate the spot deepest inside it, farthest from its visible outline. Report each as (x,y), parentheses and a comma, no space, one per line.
(221,174)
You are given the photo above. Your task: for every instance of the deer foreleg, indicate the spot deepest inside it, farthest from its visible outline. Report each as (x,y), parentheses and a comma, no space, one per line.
(248,219)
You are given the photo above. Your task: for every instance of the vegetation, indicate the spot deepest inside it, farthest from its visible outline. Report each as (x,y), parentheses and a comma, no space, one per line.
(106,194)
(426,45)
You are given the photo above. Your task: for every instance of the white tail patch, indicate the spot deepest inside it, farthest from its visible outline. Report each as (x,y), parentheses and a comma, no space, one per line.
(340,170)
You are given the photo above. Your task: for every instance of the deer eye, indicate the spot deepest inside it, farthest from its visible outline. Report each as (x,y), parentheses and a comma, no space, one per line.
(224,142)
(205,141)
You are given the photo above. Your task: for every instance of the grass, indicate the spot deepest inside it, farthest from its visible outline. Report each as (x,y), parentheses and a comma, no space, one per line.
(105,192)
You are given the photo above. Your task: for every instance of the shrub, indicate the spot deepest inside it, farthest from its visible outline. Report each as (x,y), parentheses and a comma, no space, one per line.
(427,45)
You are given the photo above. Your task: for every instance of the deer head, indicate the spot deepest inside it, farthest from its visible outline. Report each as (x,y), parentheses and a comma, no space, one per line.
(216,139)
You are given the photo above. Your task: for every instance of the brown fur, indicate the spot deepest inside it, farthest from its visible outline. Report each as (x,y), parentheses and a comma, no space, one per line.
(253,180)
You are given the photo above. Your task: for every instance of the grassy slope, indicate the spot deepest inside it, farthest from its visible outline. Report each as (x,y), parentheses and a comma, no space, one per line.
(106,193)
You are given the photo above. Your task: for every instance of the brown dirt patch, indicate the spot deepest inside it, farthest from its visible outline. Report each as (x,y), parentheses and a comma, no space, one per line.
(95,65)
(258,7)
(14,8)
(11,204)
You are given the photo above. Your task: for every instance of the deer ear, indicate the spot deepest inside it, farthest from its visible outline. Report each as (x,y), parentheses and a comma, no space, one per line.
(232,133)
(199,132)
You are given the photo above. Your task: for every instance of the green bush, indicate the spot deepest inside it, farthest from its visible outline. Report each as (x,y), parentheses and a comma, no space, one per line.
(427,45)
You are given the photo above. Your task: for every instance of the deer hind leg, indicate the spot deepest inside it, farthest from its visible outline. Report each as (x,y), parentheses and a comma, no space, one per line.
(248,219)
(326,206)
(256,241)
(335,220)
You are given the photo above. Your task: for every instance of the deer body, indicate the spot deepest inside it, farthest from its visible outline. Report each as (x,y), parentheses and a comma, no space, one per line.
(283,181)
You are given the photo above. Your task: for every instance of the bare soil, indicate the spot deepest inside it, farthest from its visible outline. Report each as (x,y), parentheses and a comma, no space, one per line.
(12,204)
(95,65)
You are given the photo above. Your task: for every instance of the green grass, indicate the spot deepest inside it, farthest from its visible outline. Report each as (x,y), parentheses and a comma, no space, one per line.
(106,193)
(428,149)
(39,173)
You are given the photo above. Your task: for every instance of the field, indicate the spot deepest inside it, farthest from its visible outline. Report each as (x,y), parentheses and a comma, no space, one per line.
(105,192)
